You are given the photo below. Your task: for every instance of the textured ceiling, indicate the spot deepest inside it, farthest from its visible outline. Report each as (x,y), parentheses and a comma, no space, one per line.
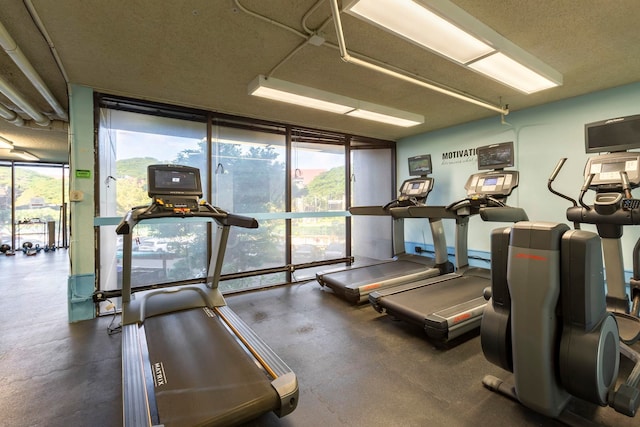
(203,53)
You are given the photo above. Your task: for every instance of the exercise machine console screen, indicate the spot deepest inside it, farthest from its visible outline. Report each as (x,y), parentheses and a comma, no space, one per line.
(619,134)
(607,168)
(497,183)
(414,191)
(174,187)
(420,165)
(495,156)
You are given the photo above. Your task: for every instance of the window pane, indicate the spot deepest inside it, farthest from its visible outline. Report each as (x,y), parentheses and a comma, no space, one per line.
(129,142)
(249,179)
(5,205)
(162,252)
(318,185)
(371,185)
(63,234)
(38,201)
(167,252)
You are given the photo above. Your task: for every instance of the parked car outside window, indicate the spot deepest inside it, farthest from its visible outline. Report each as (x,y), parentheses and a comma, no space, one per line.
(152,245)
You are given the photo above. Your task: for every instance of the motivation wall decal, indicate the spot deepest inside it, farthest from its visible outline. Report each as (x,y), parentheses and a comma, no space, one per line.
(466,155)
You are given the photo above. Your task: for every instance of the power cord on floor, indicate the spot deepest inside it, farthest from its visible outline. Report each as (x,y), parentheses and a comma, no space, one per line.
(112,330)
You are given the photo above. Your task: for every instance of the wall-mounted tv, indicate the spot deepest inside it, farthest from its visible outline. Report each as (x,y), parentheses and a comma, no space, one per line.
(619,134)
(420,165)
(495,156)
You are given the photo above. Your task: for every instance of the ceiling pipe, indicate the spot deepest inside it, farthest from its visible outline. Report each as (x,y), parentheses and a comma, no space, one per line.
(11,116)
(45,34)
(14,96)
(55,125)
(15,53)
(335,10)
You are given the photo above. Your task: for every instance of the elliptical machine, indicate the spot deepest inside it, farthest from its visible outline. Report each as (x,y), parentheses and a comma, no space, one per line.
(548,320)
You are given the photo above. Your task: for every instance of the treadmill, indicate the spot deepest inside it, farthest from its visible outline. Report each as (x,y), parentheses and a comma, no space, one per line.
(354,284)
(187,358)
(451,305)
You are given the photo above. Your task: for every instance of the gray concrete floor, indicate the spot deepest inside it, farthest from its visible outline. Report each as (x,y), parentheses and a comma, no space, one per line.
(355,366)
(53,373)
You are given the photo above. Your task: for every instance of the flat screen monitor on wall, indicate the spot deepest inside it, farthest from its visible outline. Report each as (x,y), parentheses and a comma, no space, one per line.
(174,179)
(420,165)
(495,156)
(619,134)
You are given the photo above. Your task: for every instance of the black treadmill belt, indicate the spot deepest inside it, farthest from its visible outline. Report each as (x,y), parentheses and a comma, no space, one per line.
(202,375)
(415,305)
(373,273)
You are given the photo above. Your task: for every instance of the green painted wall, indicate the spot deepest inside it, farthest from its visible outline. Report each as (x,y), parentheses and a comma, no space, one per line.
(541,135)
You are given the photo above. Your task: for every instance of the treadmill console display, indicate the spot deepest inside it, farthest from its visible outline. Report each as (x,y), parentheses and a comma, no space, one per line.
(607,167)
(416,188)
(494,183)
(495,156)
(498,182)
(174,179)
(420,165)
(174,187)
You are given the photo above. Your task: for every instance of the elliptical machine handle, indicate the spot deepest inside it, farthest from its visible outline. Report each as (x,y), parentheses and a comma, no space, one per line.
(626,185)
(583,190)
(556,171)
(553,176)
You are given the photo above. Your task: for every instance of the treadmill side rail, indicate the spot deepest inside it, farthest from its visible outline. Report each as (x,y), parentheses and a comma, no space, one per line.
(450,323)
(360,291)
(285,383)
(136,411)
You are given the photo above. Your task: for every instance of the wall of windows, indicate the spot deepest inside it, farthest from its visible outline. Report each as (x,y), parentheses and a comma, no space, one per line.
(293,180)
(33,205)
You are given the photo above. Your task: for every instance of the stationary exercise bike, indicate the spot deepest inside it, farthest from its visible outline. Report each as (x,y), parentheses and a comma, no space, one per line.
(548,319)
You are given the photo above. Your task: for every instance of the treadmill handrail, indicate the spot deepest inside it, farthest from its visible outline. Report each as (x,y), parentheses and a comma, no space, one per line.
(503,214)
(369,210)
(436,212)
(220,216)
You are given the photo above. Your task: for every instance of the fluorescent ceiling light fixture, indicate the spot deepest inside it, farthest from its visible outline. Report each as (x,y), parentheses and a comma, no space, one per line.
(413,22)
(380,113)
(383,118)
(280,90)
(446,29)
(24,154)
(5,143)
(504,69)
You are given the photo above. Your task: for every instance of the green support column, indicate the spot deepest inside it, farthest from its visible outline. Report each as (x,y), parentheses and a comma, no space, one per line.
(81,283)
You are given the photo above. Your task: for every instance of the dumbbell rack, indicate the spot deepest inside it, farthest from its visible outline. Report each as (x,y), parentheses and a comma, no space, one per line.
(30,228)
